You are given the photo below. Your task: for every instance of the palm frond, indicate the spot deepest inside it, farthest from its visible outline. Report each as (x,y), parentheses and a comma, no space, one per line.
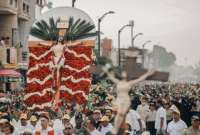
(77,30)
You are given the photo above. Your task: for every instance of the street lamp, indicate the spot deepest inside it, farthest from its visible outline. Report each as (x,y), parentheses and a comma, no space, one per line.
(99,29)
(143,51)
(132,26)
(119,32)
(139,34)
(73,3)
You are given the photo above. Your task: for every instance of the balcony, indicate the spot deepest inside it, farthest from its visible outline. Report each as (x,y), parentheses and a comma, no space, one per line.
(8,6)
(24,10)
(22,60)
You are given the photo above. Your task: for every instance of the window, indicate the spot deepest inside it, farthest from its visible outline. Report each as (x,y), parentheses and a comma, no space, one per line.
(24,56)
(16,3)
(27,8)
(8,87)
(8,56)
(40,2)
(24,7)
(11,2)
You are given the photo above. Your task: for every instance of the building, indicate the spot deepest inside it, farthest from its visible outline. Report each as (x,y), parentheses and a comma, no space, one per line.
(106,47)
(134,53)
(16,18)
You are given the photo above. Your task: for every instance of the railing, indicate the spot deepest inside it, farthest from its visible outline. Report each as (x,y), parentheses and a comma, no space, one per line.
(8,6)
(24,9)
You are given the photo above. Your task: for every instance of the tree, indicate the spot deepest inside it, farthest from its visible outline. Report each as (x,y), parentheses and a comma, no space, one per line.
(79,29)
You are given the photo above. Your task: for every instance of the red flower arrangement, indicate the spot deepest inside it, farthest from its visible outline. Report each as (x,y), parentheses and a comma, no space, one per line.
(80,58)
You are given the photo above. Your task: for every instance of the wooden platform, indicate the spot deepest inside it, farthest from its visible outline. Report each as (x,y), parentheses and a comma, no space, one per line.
(88,43)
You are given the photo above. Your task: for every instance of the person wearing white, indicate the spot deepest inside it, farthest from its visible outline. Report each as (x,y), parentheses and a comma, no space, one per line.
(143,109)
(176,126)
(106,126)
(33,123)
(134,120)
(91,126)
(59,125)
(151,117)
(161,118)
(44,129)
(68,130)
(24,125)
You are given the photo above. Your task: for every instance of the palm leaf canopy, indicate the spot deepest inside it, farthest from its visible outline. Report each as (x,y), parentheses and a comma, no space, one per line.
(78,29)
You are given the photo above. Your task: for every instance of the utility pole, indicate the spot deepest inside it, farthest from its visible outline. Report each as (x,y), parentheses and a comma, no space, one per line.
(132,26)
(73,3)
(99,29)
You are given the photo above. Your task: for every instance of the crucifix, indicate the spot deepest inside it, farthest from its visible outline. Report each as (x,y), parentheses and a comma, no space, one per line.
(58,59)
(123,87)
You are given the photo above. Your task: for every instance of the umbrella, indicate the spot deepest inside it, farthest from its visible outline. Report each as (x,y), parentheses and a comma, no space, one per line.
(9,73)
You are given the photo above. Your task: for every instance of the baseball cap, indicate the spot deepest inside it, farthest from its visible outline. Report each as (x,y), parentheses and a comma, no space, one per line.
(44,115)
(3,121)
(33,118)
(195,117)
(66,116)
(23,116)
(173,108)
(104,118)
(97,111)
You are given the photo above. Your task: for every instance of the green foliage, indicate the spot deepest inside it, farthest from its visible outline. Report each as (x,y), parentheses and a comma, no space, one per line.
(1,65)
(78,29)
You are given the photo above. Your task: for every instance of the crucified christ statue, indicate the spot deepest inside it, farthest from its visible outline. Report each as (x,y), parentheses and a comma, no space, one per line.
(58,62)
(123,87)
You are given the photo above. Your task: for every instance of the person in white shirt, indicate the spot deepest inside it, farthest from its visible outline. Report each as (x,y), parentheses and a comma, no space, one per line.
(134,120)
(23,123)
(33,123)
(44,129)
(59,125)
(176,126)
(106,126)
(143,109)
(2,122)
(151,117)
(8,129)
(68,129)
(91,126)
(161,118)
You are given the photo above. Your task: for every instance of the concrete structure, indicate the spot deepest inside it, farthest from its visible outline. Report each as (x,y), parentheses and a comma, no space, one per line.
(16,18)
(134,53)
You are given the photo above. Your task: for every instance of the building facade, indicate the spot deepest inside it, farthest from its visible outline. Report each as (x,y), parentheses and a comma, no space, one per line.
(16,19)
(106,47)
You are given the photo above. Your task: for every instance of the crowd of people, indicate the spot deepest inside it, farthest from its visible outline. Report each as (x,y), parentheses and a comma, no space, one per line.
(156,109)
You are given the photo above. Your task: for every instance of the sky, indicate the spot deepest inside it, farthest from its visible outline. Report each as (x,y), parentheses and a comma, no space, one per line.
(173,24)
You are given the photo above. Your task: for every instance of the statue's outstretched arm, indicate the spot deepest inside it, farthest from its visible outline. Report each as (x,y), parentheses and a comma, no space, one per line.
(74,43)
(142,78)
(45,44)
(111,76)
